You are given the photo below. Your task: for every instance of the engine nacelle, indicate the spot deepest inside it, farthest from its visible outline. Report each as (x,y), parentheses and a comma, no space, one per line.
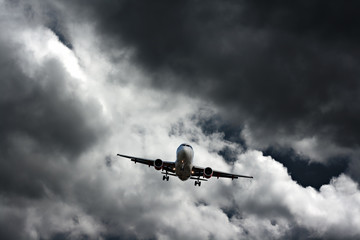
(158,164)
(208,172)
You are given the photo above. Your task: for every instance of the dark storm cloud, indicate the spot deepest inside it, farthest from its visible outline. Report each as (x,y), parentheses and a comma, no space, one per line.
(59,30)
(215,124)
(59,177)
(45,113)
(41,122)
(300,168)
(308,173)
(287,68)
(11,221)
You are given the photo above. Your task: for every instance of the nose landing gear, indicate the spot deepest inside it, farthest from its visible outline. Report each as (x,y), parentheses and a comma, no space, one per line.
(165,177)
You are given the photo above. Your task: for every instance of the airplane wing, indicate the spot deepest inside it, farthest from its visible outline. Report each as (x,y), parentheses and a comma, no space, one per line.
(166,166)
(199,171)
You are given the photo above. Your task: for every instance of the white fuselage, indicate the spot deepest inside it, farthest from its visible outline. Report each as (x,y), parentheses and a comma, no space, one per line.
(183,163)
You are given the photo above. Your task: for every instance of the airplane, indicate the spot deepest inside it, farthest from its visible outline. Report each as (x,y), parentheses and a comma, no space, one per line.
(183,167)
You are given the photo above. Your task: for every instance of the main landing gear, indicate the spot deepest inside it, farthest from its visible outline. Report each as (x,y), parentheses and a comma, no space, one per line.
(165,177)
(197,182)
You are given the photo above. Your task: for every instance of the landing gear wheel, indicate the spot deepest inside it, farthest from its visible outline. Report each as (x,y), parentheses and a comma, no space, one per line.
(167,178)
(195,183)
(199,184)
(164,178)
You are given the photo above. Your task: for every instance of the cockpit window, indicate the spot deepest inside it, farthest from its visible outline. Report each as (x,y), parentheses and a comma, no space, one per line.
(186,145)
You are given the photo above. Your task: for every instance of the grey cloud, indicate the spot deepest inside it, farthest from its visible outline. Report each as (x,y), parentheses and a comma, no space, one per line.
(68,184)
(46,112)
(44,127)
(305,172)
(284,69)
(316,211)
(11,220)
(300,167)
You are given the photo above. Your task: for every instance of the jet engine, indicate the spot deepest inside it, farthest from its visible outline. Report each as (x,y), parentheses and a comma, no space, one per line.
(208,172)
(158,164)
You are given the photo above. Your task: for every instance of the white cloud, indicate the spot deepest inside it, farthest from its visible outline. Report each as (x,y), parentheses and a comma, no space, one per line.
(131,200)
(325,213)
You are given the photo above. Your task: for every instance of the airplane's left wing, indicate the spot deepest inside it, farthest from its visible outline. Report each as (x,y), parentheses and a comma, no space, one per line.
(208,172)
(157,163)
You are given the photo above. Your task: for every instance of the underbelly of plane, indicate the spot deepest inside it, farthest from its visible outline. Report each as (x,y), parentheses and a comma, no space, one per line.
(183,173)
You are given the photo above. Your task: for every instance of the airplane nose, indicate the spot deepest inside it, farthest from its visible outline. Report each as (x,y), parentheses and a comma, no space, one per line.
(187,152)
(184,151)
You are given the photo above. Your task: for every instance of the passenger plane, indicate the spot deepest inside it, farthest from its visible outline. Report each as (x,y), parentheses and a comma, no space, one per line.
(183,167)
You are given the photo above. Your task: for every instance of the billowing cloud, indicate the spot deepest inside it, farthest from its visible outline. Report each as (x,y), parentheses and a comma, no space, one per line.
(77,90)
(288,71)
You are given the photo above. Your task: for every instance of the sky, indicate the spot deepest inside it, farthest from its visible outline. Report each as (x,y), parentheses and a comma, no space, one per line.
(257,88)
